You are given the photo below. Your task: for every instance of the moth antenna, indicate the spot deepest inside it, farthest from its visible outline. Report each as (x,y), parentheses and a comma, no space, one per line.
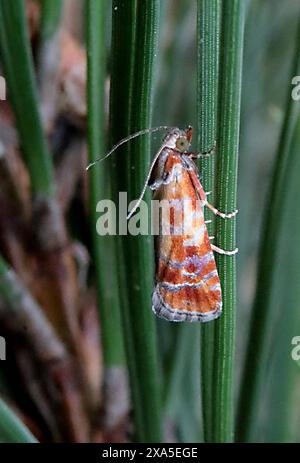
(146,182)
(126,139)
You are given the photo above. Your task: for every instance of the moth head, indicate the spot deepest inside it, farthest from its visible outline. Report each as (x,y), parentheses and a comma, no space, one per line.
(184,140)
(171,137)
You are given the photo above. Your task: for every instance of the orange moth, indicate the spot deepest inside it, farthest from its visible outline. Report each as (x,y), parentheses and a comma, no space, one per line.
(187,286)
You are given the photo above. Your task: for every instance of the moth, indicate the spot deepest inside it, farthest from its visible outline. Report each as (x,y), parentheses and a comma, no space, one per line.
(187,286)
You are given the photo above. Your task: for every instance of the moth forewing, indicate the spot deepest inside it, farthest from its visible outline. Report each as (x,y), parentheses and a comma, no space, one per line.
(187,283)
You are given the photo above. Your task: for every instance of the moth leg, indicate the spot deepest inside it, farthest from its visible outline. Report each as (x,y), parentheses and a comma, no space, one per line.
(220,214)
(211,237)
(222,251)
(203,154)
(208,193)
(208,221)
